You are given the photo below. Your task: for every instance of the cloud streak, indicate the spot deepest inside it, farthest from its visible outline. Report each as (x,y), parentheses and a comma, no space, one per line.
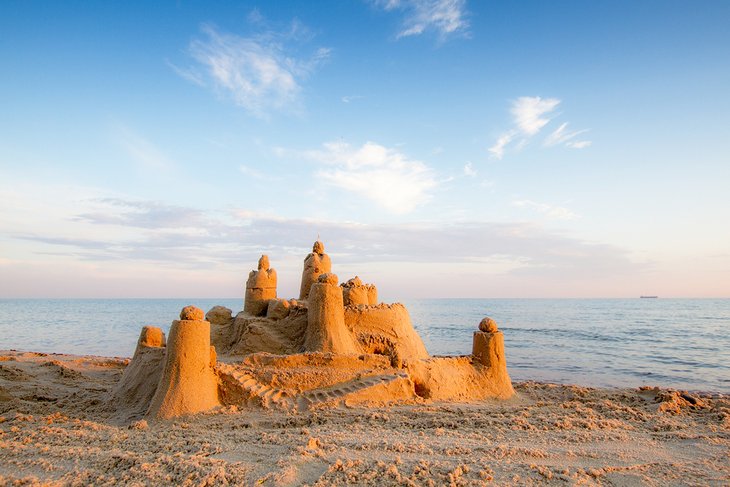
(188,237)
(126,240)
(530,114)
(258,73)
(445,17)
(562,135)
(142,214)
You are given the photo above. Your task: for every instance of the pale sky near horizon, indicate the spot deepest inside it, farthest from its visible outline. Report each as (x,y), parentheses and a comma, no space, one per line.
(439,148)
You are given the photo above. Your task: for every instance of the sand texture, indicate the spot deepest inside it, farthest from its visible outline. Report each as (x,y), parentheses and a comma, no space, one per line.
(56,428)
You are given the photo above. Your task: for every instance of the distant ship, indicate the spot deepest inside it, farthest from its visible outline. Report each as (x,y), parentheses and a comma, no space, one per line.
(648,297)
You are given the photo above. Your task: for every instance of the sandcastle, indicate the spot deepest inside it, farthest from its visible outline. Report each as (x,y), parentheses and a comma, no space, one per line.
(334,345)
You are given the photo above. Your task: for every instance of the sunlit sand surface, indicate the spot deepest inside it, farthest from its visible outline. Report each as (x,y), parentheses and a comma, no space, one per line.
(55,427)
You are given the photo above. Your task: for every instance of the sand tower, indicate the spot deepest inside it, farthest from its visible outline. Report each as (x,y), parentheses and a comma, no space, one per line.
(326,329)
(315,264)
(188,383)
(260,288)
(488,350)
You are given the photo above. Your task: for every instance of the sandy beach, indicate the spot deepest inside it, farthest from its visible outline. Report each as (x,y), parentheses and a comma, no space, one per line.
(56,429)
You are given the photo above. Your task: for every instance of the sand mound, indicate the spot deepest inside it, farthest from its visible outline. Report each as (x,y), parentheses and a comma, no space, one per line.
(132,396)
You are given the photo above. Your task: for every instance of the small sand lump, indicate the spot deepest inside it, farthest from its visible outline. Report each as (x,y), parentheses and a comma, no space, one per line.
(328,278)
(191,313)
(152,336)
(488,325)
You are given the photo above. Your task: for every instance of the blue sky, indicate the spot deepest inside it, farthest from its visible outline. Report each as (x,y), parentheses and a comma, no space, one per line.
(438,147)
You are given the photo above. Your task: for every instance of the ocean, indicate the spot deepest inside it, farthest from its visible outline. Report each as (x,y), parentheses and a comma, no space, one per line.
(679,343)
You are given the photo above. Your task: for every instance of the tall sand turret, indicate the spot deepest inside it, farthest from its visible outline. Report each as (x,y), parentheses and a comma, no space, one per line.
(315,264)
(326,329)
(488,350)
(260,288)
(188,383)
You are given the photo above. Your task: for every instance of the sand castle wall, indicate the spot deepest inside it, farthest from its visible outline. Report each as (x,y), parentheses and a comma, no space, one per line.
(387,330)
(250,334)
(355,293)
(188,383)
(326,329)
(481,375)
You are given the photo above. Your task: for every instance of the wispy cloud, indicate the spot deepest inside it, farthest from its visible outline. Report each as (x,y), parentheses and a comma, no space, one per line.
(383,175)
(469,170)
(503,140)
(550,211)
(446,17)
(68,237)
(351,98)
(562,135)
(142,214)
(260,73)
(579,144)
(241,235)
(530,114)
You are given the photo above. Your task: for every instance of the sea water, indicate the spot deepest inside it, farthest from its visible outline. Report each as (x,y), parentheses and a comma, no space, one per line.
(680,343)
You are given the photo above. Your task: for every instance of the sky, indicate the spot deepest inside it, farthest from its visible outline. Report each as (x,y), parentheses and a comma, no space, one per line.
(439,148)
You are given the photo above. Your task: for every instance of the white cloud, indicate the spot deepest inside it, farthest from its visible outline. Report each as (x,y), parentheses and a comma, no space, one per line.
(530,114)
(579,144)
(562,136)
(503,140)
(553,212)
(383,175)
(256,72)
(348,99)
(469,170)
(443,16)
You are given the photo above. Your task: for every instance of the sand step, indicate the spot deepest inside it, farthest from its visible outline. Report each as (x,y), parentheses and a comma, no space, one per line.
(280,397)
(253,387)
(316,396)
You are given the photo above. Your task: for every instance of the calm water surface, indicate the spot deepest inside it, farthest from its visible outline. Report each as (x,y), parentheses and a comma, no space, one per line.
(682,343)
